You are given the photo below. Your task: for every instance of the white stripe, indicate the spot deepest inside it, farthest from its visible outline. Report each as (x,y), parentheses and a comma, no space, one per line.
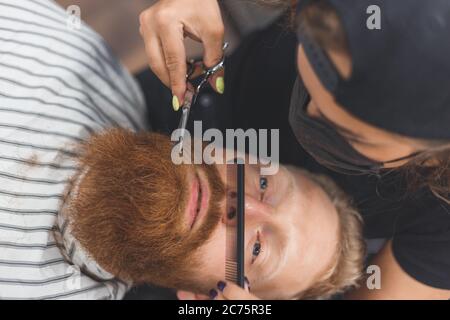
(56,86)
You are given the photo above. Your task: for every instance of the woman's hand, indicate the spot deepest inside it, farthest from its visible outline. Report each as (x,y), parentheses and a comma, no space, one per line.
(231,291)
(164,27)
(223,291)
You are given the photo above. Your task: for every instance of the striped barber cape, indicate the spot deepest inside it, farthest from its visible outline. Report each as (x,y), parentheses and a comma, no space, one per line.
(57,86)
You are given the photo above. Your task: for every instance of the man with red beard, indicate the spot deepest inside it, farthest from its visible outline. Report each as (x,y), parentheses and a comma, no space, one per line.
(127,211)
(134,215)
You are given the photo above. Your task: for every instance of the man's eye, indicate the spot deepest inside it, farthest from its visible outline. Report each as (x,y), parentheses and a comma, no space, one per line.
(256,248)
(263,183)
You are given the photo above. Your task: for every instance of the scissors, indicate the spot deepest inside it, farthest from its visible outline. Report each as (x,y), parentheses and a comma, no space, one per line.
(194,90)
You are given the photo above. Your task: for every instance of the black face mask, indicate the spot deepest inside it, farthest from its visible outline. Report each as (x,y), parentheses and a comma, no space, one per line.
(320,138)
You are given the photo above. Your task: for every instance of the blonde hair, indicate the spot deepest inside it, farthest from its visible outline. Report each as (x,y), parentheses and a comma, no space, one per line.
(347,268)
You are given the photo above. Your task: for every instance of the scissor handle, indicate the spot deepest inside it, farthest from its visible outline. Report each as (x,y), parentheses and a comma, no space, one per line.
(207,72)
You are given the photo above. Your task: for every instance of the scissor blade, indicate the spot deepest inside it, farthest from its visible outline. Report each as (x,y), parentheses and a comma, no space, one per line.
(183,124)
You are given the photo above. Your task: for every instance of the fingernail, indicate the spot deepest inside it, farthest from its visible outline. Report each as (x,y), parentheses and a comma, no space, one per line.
(221,285)
(212,293)
(175,103)
(220,85)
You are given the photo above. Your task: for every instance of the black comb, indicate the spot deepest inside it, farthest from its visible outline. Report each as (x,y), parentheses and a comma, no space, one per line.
(234,262)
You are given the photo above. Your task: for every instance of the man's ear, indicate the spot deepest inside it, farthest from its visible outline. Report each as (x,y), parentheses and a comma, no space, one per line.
(187,295)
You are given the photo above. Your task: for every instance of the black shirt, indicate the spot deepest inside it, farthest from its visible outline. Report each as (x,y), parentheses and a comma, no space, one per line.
(259,80)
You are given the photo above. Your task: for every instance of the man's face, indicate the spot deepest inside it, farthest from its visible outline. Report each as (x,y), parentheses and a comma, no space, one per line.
(167,224)
(291,231)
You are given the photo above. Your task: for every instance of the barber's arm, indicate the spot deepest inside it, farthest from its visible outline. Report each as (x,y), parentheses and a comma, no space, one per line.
(164,27)
(396,283)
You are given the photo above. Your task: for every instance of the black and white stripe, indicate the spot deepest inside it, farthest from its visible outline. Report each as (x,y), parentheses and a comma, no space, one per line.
(57,87)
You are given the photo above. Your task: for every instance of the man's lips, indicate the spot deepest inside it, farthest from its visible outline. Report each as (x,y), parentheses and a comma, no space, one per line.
(198,200)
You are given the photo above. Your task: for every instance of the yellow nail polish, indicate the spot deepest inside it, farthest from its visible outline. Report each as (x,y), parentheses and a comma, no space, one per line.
(175,103)
(220,85)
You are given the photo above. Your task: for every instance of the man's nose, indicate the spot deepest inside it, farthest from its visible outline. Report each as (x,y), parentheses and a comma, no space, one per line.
(257,209)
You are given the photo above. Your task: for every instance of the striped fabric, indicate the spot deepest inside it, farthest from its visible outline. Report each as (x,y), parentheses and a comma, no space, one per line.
(57,86)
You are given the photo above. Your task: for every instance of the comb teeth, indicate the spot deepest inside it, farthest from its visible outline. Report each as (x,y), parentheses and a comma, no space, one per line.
(231,270)
(231,265)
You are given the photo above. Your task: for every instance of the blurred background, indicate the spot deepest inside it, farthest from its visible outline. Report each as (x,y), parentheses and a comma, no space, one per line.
(118,22)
